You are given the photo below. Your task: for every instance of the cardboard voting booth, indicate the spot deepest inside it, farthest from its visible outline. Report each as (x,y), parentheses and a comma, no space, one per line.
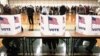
(53,25)
(88,24)
(10,24)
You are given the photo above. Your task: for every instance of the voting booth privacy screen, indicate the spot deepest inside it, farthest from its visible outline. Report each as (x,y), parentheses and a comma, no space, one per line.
(53,24)
(88,24)
(10,24)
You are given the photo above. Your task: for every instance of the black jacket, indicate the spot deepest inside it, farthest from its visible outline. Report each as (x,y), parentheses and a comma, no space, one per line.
(30,11)
(62,10)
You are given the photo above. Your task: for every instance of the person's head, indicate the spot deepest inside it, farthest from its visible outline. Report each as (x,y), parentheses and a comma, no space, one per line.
(30,5)
(62,5)
(80,5)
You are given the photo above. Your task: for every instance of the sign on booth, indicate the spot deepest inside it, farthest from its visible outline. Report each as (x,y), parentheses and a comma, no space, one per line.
(53,24)
(10,24)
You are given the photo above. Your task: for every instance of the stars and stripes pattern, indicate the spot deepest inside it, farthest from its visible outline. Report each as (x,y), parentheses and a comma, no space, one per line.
(81,20)
(52,20)
(96,20)
(16,19)
(3,20)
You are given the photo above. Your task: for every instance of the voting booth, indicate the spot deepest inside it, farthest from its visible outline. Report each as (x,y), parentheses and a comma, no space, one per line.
(88,24)
(10,24)
(53,25)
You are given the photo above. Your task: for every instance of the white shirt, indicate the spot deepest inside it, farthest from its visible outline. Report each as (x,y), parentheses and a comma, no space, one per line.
(45,10)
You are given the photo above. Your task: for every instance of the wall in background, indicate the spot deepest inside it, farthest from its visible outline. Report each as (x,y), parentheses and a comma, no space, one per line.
(4,2)
(98,0)
(53,2)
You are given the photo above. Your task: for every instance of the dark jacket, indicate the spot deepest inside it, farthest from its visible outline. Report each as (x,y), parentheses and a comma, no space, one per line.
(62,10)
(30,11)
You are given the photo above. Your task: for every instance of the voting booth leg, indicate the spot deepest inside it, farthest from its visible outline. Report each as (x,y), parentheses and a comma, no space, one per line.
(30,47)
(25,51)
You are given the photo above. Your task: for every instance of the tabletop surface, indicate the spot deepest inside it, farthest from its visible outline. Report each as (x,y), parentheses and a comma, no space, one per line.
(76,34)
(38,34)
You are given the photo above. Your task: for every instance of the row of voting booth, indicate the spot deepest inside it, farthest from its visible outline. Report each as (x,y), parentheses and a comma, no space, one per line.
(54,25)
(88,24)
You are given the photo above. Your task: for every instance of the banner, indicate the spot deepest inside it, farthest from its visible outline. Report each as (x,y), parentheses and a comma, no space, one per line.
(53,24)
(88,24)
(10,24)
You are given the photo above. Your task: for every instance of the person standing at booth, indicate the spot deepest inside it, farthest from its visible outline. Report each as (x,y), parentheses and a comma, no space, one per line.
(1,9)
(81,9)
(45,10)
(52,43)
(30,11)
(62,10)
(12,45)
(91,42)
(7,9)
(51,11)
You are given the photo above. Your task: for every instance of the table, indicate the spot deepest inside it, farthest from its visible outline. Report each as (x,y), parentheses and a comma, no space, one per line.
(79,35)
(34,34)
(37,34)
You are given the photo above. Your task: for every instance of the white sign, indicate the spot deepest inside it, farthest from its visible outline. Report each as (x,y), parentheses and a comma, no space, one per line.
(88,24)
(53,24)
(10,24)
